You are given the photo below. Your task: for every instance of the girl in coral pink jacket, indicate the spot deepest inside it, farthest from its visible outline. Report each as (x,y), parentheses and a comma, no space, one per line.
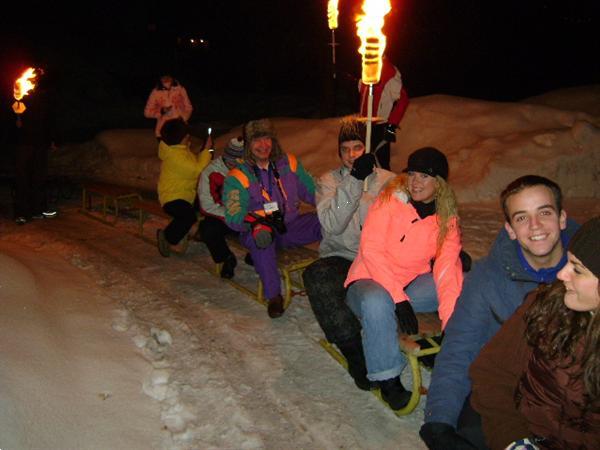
(410,230)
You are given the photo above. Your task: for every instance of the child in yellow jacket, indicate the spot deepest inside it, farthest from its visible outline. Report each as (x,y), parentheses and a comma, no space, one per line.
(179,173)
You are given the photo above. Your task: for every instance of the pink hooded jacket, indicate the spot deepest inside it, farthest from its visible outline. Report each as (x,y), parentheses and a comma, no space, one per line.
(396,246)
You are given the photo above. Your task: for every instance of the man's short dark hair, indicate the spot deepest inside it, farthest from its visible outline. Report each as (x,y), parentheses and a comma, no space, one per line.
(174,131)
(528,181)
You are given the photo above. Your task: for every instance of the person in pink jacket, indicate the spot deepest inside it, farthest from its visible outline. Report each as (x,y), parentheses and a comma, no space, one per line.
(168,100)
(411,229)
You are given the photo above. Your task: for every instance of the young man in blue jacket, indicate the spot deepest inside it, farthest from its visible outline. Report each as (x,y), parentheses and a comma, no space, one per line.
(529,251)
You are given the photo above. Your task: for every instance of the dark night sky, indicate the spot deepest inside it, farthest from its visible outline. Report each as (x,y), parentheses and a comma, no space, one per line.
(111,53)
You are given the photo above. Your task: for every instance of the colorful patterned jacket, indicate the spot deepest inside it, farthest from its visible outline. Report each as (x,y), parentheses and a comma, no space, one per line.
(243,193)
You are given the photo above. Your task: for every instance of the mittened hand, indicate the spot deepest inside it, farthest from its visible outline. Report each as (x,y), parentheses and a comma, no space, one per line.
(389,134)
(262,234)
(363,166)
(407,321)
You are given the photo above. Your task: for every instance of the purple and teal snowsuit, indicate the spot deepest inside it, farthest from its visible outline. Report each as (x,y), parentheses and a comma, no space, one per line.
(243,194)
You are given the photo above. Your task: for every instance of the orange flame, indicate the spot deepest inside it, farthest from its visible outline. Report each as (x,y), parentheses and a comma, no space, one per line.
(332,14)
(25,83)
(368,27)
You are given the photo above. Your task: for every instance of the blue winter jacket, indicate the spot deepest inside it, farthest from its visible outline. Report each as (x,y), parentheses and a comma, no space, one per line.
(491,292)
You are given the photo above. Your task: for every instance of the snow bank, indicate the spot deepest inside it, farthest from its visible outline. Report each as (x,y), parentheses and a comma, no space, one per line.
(487,143)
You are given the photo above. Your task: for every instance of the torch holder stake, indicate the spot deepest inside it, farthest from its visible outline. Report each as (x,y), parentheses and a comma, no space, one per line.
(369,129)
(333,45)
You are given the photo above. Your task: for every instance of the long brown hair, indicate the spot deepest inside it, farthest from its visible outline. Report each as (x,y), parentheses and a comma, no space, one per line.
(557,330)
(445,202)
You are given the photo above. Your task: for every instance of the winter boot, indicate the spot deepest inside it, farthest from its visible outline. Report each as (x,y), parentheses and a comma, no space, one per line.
(394,394)
(352,350)
(228,266)
(275,308)
(164,248)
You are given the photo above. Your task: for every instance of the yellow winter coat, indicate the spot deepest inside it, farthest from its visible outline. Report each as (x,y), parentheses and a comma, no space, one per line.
(179,172)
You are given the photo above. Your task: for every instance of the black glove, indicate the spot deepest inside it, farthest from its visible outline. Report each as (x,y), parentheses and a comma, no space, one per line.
(389,134)
(441,436)
(407,321)
(363,166)
(465,260)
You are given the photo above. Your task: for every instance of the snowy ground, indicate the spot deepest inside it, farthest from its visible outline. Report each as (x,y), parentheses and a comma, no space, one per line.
(105,344)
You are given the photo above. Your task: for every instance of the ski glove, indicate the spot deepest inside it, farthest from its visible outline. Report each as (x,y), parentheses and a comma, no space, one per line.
(262,234)
(407,321)
(363,166)
(389,134)
(441,436)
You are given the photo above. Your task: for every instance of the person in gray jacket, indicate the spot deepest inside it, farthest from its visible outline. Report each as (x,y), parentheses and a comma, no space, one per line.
(213,229)
(342,205)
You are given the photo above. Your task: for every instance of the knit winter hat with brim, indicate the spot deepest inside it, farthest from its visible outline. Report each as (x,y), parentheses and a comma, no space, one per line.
(234,149)
(585,245)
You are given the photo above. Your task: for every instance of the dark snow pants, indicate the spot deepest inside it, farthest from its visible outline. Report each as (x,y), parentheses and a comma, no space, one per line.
(324,283)
(213,232)
(184,216)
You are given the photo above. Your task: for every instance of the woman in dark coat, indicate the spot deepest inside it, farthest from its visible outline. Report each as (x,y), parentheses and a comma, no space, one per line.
(536,384)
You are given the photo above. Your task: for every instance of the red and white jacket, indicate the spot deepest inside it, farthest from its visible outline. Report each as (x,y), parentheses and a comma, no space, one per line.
(390,99)
(210,189)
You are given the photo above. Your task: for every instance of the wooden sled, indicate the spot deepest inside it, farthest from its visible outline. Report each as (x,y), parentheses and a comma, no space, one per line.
(429,327)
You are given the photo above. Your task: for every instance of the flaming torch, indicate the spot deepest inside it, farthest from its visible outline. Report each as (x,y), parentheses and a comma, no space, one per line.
(369,30)
(22,86)
(332,21)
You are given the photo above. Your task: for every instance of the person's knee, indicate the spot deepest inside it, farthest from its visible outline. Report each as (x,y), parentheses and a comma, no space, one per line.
(315,272)
(375,301)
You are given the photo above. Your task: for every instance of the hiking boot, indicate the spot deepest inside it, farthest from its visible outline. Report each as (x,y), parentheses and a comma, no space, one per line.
(21,220)
(352,350)
(275,308)
(394,394)
(228,266)
(164,248)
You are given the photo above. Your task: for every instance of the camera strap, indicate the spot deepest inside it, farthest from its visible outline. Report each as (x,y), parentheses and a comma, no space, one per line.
(267,191)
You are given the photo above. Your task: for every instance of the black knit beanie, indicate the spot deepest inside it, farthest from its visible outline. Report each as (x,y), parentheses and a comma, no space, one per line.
(585,245)
(428,160)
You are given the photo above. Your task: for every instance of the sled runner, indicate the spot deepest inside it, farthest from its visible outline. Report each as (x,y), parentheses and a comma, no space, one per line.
(429,327)
(291,263)
(113,199)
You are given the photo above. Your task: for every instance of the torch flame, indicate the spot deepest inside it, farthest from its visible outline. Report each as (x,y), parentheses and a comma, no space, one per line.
(372,39)
(25,83)
(332,14)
